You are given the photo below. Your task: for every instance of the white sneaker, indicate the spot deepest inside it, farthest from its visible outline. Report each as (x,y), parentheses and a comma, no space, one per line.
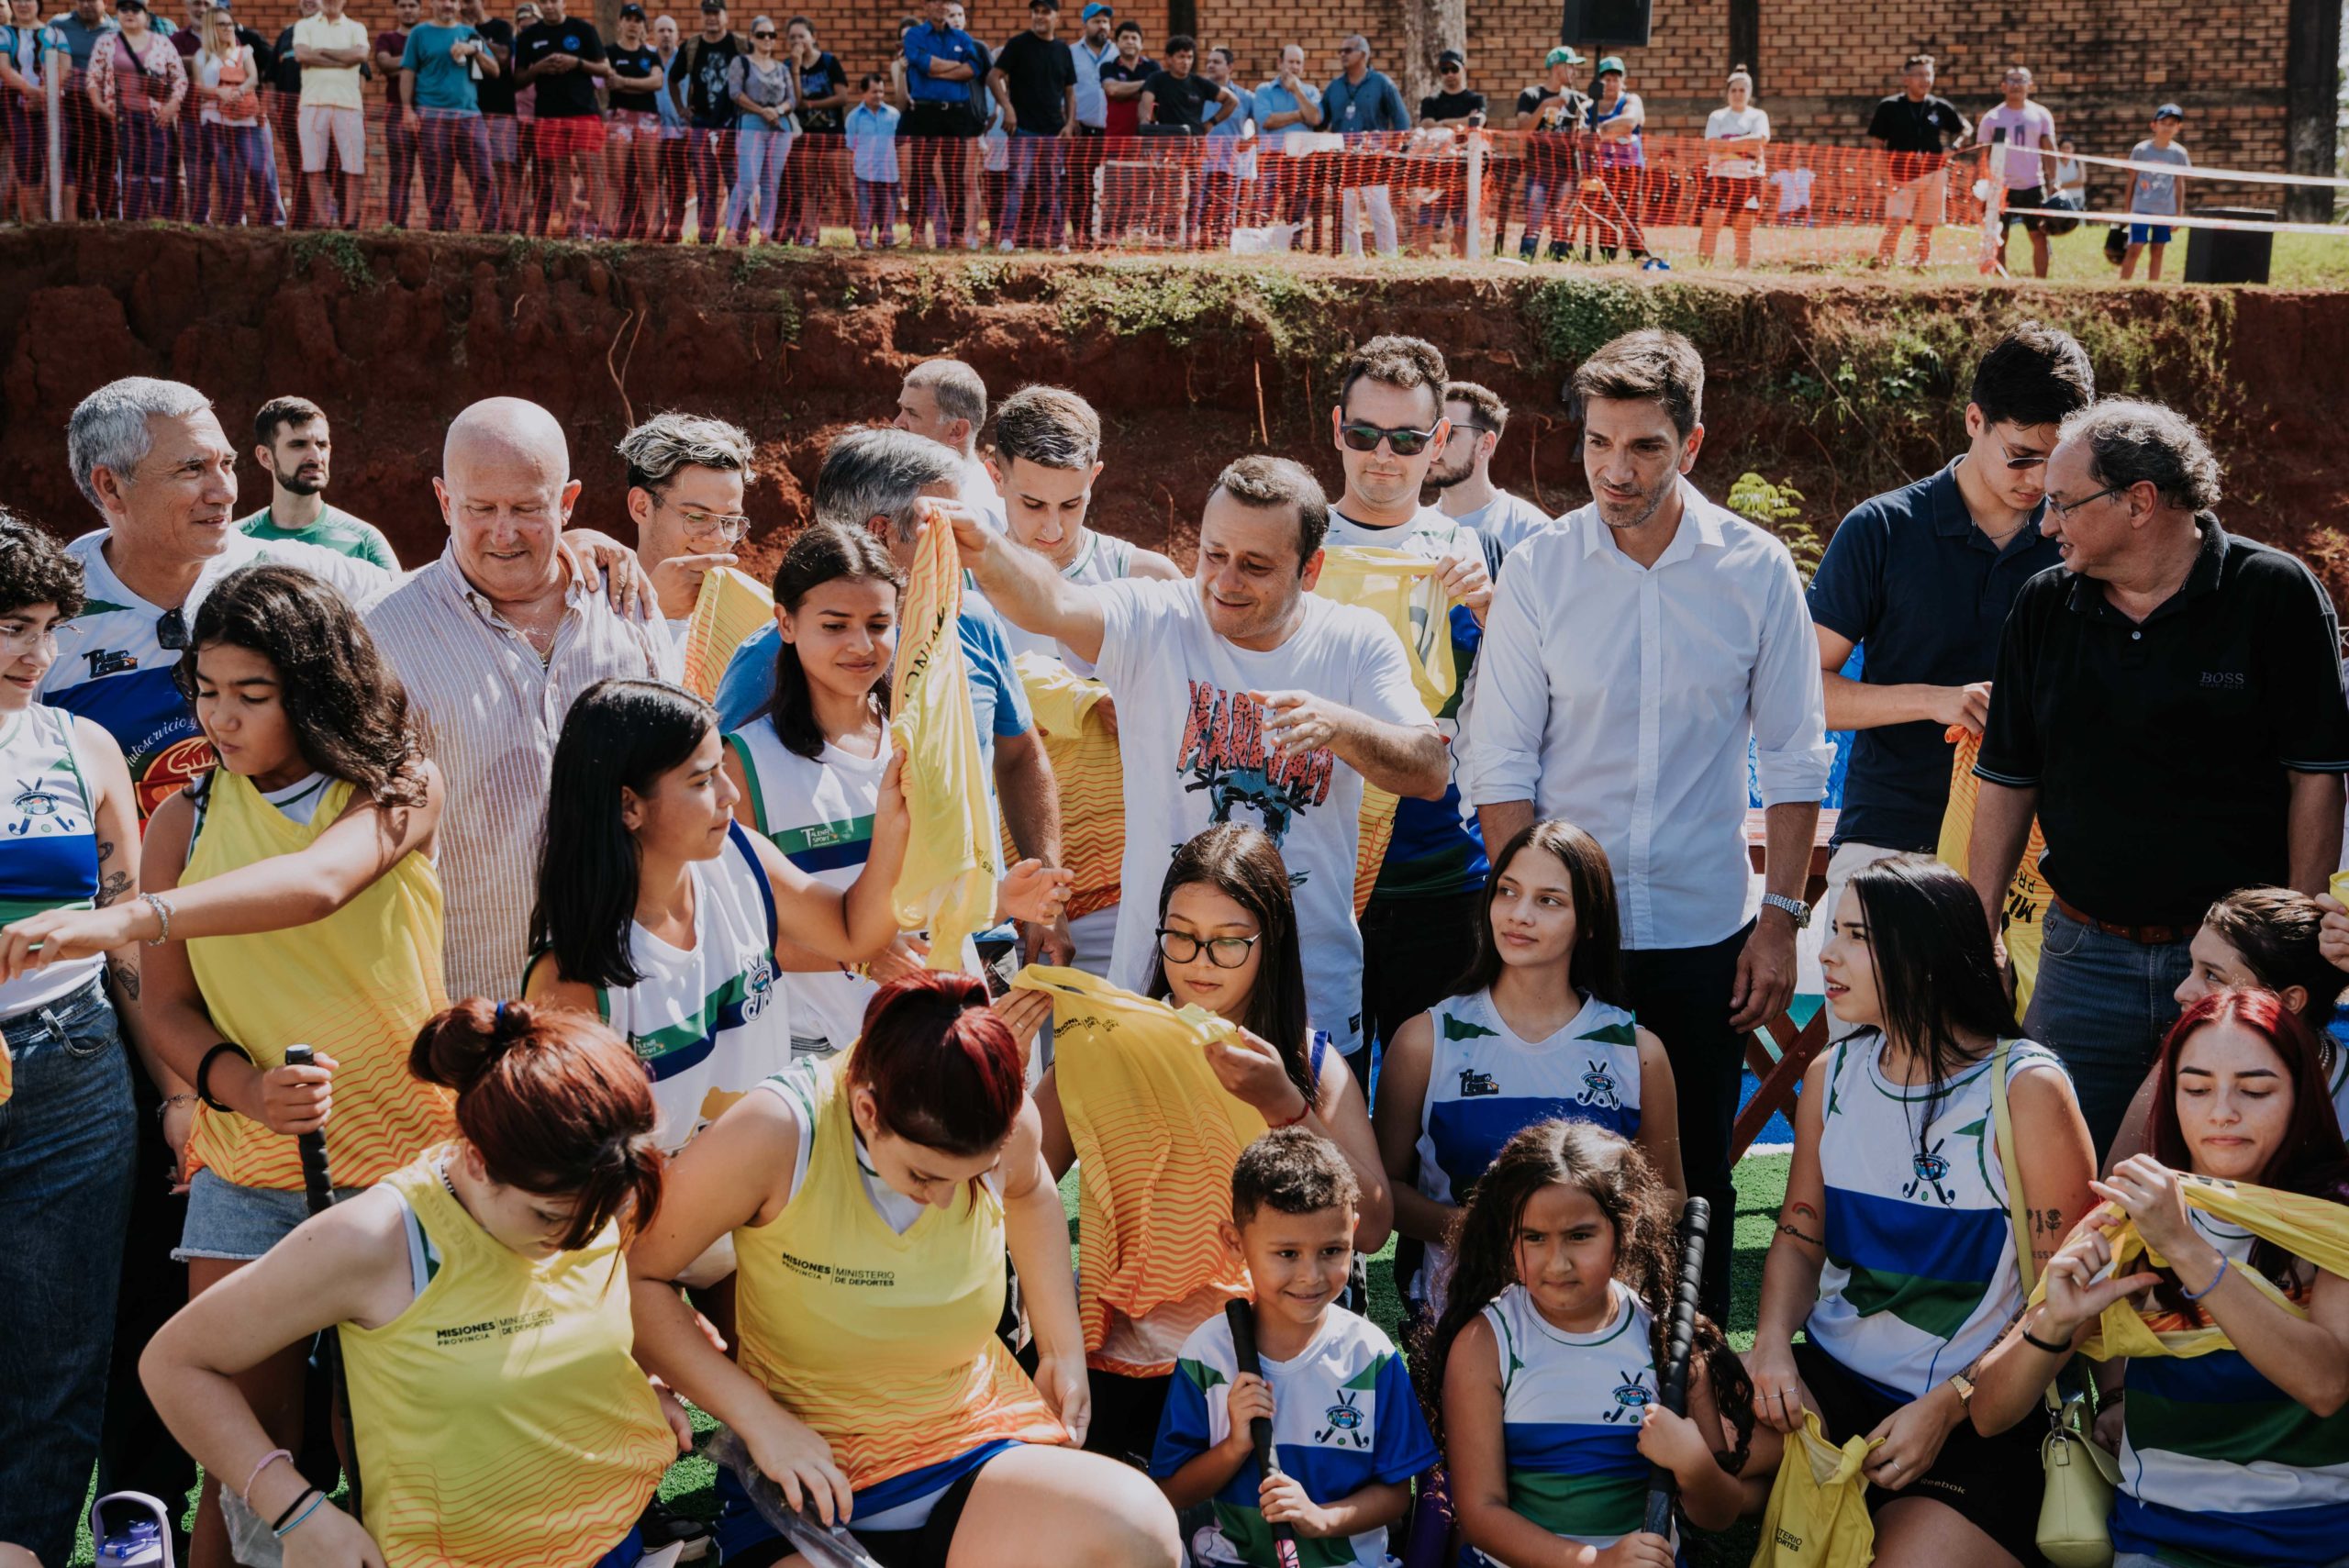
(1005,247)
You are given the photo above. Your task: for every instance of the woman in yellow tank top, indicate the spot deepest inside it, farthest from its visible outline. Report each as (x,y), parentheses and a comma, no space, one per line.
(500,1418)
(290,898)
(871,1197)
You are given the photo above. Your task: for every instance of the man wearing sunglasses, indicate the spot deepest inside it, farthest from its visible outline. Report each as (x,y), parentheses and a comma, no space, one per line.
(2169,706)
(1418,930)
(685,480)
(1919,580)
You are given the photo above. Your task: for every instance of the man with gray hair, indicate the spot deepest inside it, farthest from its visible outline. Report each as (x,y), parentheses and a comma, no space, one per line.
(879,481)
(685,479)
(946,401)
(494,639)
(1242,697)
(1361,102)
(2169,705)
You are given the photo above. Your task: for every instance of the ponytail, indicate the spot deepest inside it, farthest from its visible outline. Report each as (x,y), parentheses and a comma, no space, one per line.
(555,1104)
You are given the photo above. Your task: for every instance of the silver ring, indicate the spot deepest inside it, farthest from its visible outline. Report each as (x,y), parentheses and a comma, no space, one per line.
(1892,1465)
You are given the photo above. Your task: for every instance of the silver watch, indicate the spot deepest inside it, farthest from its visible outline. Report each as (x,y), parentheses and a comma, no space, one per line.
(1797,910)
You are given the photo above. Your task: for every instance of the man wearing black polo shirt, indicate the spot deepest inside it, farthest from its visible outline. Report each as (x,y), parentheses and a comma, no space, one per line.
(1178,97)
(1910,125)
(1920,579)
(2170,706)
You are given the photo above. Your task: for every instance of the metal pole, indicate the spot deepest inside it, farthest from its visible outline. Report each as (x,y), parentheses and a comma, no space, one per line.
(50,70)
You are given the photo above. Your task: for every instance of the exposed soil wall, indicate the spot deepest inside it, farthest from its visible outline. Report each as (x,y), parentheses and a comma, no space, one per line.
(1834,389)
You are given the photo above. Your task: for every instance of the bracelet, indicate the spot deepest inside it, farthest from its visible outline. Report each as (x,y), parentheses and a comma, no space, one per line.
(2030,1339)
(2225,1264)
(161,1112)
(279,1522)
(317,1501)
(204,1072)
(272,1457)
(1303,1111)
(163,908)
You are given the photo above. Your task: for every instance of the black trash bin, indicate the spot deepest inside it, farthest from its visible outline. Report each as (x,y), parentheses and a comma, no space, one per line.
(2230,255)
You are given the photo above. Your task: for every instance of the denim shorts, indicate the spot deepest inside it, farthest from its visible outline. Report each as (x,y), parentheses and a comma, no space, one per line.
(236,1224)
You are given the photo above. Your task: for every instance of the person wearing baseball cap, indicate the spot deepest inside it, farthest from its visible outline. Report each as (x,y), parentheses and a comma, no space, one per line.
(1555,108)
(1617,116)
(2155,194)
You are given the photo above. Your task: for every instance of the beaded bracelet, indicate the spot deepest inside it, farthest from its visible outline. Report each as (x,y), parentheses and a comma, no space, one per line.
(163,908)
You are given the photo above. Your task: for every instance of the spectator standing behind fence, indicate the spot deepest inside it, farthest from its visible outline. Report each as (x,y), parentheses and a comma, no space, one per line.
(2155,194)
(294,442)
(1617,117)
(762,84)
(447,64)
(191,153)
(1230,160)
(89,136)
(632,145)
(2170,707)
(700,89)
(1360,101)
(227,82)
(332,123)
(24,110)
(1036,75)
(1093,49)
(1286,103)
(1177,96)
(873,156)
(1551,112)
(2021,135)
(138,85)
(824,99)
(494,92)
(2071,174)
(941,63)
(399,132)
(563,57)
(1734,138)
(1911,125)
(675,166)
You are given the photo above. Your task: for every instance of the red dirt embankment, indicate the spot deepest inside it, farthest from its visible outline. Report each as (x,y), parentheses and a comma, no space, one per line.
(1191,363)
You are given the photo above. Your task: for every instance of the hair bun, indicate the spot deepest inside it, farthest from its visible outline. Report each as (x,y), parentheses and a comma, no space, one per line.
(459,1044)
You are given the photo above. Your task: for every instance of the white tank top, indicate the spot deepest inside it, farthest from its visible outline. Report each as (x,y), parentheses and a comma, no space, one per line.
(48,853)
(1103,558)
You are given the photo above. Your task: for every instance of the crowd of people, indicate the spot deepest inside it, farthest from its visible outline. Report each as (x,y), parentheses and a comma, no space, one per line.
(651,940)
(725,128)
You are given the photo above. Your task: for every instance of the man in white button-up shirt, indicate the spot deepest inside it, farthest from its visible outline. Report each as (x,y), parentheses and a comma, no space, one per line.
(1630,654)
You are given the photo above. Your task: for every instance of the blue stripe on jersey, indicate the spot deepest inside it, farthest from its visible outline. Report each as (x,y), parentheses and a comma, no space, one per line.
(50,868)
(2222,1377)
(1921,1240)
(1468,1134)
(832,857)
(1561,1448)
(898,1490)
(143,710)
(2253,1540)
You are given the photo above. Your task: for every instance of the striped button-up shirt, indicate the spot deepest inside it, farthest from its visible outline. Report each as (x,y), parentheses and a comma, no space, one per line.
(489,710)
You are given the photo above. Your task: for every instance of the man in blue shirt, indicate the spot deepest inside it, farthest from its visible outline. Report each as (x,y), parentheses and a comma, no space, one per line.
(1919,580)
(1090,52)
(1360,102)
(942,61)
(439,66)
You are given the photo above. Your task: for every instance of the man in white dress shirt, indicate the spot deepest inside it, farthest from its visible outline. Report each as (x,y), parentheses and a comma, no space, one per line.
(1630,654)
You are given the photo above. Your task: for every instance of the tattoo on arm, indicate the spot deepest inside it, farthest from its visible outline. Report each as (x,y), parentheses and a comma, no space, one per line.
(1802,1211)
(112,885)
(123,976)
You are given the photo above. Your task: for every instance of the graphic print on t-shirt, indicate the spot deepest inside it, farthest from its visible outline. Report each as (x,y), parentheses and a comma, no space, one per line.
(1224,754)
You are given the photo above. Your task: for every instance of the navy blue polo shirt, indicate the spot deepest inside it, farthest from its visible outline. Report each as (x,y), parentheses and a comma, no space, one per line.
(1925,594)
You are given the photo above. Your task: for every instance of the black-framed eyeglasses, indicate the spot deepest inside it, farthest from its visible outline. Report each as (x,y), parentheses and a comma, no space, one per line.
(1403,440)
(2066,508)
(171,631)
(1224,952)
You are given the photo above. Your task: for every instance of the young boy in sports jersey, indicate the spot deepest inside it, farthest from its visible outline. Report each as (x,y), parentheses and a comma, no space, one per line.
(1347,1432)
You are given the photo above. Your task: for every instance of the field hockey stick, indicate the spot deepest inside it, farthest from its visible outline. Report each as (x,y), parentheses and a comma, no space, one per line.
(317,1188)
(1695,1220)
(1241,1317)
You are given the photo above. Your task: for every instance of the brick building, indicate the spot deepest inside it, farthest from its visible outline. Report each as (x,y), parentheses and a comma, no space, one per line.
(2256,77)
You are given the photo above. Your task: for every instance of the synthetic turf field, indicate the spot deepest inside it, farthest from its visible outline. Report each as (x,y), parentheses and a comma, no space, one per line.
(1761,1186)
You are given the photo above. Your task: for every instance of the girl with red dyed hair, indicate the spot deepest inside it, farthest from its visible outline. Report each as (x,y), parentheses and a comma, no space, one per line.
(498,1412)
(2232,1457)
(871,1197)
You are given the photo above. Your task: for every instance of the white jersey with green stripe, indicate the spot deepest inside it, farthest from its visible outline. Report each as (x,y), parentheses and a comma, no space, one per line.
(1920,1271)
(711,1020)
(2221,1469)
(1571,1407)
(48,850)
(1101,558)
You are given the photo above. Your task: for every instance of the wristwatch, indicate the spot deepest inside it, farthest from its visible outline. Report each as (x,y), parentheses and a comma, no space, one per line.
(1965,1386)
(1797,910)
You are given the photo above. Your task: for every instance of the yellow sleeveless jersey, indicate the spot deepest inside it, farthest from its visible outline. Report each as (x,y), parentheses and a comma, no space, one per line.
(356,986)
(883,1343)
(731,606)
(2023,923)
(502,1420)
(1156,1135)
(1090,775)
(948,883)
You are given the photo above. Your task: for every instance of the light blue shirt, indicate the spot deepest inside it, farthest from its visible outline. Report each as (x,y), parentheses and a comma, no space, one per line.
(1272,98)
(872,143)
(1091,102)
(1221,156)
(672,118)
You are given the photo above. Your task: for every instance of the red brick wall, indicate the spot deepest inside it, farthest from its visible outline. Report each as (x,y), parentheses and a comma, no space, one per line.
(2102,65)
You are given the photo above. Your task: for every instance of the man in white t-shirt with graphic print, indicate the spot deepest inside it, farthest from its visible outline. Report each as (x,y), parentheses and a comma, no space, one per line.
(1242,697)
(2022,136)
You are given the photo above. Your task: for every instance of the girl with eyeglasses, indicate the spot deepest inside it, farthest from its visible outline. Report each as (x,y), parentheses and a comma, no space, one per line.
(1537,1029)
(1226,942)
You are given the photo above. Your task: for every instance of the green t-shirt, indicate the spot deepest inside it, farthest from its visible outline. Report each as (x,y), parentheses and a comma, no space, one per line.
(336,529)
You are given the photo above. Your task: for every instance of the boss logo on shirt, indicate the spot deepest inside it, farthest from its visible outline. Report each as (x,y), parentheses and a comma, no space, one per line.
(2225,681)
(111,661)
(1474,1084)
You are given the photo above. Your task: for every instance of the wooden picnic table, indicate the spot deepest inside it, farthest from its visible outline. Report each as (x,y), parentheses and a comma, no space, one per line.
(1780,1059)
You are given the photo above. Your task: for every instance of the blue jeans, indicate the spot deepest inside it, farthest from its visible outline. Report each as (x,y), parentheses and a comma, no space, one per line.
(2102,1004)
(240,156)
(759,151)
(1035,155)
(449,140)
(66,1142)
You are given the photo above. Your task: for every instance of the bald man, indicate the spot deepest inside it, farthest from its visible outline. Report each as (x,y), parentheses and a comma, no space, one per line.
(494,640)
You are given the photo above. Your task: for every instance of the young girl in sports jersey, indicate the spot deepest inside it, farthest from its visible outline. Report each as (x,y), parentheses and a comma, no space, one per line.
(290,898)
(662,914)
(1226,942)
(479,1291)
(2231,1458)
(69,838)
(871,1197)
(1546,1361)
(1537,1027)
(1896,1252)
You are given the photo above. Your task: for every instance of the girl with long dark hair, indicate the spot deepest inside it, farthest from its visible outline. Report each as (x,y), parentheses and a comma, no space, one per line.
(661,914)
(1545,1364)
(1227,944)
(871,1197)
(1540,1026)
(497,1412)
(2231,1457)
(290,897)
(1896,1254)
